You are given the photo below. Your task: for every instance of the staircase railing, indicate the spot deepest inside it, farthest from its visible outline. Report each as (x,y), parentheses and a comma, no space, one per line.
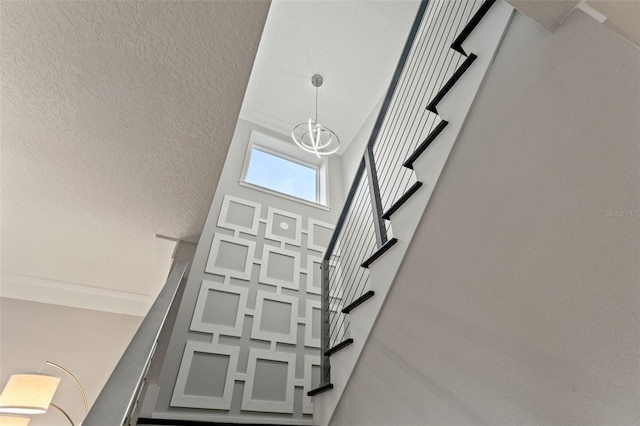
(431,62)
(117,404)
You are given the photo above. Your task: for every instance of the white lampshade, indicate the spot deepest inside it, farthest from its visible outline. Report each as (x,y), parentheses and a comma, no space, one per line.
(14,421)
(28,393)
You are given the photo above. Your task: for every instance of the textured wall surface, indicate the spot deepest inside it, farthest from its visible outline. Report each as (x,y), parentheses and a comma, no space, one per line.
(116,120)
(518,301)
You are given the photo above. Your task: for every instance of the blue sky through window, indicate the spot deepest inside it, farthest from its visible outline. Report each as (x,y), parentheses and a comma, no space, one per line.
(282,175)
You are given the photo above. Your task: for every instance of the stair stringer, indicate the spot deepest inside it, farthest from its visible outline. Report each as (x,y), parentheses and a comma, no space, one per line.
(484,42)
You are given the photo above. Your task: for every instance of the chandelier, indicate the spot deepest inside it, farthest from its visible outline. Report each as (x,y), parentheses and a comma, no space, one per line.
(312,136)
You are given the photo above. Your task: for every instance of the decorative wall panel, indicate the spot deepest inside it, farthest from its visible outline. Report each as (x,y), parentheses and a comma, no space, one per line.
(280,268)
(269,385)
(231,256)
(220,309)
(238,214)
(206,376)
(284,226)
(314,274)
(319,235)
(266,273)
(276,318)
(312,324)
(311,380)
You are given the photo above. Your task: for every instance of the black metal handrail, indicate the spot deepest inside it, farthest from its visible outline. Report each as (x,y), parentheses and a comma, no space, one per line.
(384,177)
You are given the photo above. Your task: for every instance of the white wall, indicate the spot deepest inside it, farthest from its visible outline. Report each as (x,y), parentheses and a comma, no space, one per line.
(352,156)
(213,398)
(88,343)
(518,298)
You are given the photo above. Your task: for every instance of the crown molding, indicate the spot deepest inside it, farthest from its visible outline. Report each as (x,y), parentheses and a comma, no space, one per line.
(42,290)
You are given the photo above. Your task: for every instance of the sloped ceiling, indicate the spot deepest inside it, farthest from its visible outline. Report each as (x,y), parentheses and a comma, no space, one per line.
(116,120)
(354,45)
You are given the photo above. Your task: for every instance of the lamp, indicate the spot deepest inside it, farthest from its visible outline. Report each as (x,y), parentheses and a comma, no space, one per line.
(33,394)
(28,393)
(312,136)
(14,421)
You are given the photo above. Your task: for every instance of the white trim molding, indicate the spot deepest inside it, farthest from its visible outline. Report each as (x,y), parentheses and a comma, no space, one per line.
(223,218)
(43,290)
(265,278)
(207,287)
(181,399)
(257,331)
(252,404)
(211,266)
(273,226)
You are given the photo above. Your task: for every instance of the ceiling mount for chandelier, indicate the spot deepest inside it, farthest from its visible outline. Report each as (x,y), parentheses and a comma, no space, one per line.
(312,136)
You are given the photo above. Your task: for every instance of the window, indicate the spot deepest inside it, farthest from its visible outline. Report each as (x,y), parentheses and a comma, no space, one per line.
(284,169)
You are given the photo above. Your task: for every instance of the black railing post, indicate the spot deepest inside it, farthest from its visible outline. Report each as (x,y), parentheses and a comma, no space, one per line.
(374,192)
(325,338)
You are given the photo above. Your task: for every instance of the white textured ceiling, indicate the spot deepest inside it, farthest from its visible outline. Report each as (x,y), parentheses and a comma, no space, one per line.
(116,119)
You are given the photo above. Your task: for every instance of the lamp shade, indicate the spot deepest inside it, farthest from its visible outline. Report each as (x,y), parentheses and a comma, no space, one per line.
(28,393)
(14,421)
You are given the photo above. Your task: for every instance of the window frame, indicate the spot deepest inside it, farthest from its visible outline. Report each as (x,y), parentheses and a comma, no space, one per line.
(287,151)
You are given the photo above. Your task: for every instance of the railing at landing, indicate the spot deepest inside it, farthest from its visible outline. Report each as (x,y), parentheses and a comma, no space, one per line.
(118,402)
(431,62)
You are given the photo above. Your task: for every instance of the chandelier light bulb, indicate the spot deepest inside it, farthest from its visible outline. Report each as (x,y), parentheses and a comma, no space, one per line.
(312,136)
(315,138)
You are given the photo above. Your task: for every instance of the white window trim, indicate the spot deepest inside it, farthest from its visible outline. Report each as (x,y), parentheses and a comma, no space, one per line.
(282,149)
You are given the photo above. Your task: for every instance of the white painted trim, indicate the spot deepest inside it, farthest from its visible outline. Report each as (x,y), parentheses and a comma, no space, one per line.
(311,244)
(309,362)
(197,323)
(224,213)
(264,268)
(209,417)
(312,272)
(211,267)
(309,340)
(181,399)
(248,403)
(271,224)
(270,336)
(283,195)
(288,151)
(43,290)
(583,6)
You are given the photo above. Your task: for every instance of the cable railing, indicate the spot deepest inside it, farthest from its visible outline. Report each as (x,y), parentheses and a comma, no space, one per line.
(430,64)
(406,125)
(355,241)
